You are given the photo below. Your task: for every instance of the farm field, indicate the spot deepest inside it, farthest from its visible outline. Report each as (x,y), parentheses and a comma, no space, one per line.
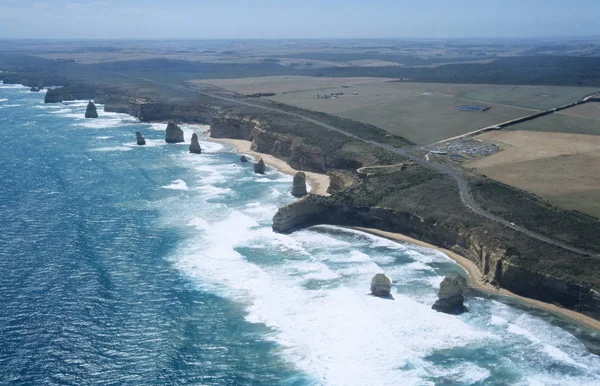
(587,110)
(284,84)
(532,97)
(421,112)
(562,123)
(562,168)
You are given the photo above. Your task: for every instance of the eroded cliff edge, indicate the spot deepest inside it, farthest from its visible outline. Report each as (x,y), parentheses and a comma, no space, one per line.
(403,202)
(415,201)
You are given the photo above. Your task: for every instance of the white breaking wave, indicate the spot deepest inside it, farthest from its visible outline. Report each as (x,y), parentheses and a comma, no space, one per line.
(311,289)
(112,148)
(177,185)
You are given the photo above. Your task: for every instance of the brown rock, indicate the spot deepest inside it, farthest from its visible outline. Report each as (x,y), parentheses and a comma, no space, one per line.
(139,139)
(173,134)
(450,296)
(259,167)
(195,145)
(90,111)
(381,285)
(299,185)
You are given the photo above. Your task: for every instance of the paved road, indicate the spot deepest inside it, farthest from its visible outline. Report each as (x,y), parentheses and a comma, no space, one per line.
(462,185)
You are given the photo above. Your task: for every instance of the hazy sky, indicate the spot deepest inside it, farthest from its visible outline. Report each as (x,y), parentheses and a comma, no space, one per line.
(204,19)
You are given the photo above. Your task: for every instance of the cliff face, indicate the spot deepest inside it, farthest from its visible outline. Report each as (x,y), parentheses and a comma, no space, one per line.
(489,254)
(224,126)
(70,93)
(298,154)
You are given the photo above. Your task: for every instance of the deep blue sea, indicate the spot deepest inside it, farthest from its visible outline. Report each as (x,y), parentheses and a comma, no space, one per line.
(148,265)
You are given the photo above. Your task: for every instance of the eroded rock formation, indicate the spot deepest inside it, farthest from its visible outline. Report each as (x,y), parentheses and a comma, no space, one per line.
(450,296)
(299,185)
(381,285)
(259,167)
(195,145)
(243,159)
(71,93)
(139,139)
(90,111)
(173,133)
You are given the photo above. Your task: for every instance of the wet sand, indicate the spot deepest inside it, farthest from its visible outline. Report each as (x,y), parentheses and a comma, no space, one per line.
(318,182)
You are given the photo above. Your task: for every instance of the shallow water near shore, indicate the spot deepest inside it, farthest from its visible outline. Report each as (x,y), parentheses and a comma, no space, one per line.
(149,265)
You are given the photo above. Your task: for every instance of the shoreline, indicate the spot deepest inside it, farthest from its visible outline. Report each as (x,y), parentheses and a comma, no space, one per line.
(476,282)
(318,182)
(318,185)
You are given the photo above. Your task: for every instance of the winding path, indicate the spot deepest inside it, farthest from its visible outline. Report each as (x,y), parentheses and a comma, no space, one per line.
(462,185)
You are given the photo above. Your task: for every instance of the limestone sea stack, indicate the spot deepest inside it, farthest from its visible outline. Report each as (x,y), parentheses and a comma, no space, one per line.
(381,285)
(173,134)
(299,185)
(195,145)
(90,111)
(450,296)
(139,139)
(243,159)
(259,167)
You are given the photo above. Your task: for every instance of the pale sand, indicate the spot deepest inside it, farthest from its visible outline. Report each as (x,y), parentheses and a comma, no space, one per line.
(318,182)
(476,280)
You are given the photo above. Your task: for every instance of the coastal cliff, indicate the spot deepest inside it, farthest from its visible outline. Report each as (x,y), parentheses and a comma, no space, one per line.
(70,93)
(509,261)
(293,149)
(412,200)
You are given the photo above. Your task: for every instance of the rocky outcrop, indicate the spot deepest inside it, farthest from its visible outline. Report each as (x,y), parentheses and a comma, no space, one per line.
(498,263)
(90,111)
(381,285)
(450,296)
(340,180)
(139,139)
(70,93)
(259,167)
(173,133)
(34,89)
(225,126)
(195,145)
(243,159)
(298,214)
(299,185)
(298,154)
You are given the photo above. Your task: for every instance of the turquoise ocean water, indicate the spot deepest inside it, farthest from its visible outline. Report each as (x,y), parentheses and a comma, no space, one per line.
(149,265)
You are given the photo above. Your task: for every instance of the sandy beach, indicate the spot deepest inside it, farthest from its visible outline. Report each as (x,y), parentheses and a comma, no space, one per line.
(319,183)
(476,280)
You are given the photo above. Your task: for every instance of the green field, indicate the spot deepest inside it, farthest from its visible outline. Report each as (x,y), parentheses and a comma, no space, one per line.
(561,123)
(533,97)
(422,113)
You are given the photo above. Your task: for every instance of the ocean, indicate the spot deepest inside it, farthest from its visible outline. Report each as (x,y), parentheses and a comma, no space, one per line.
(149,265)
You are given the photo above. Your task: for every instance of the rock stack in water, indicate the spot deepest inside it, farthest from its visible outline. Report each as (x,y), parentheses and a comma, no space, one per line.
(259,167)
(299,185)
(173,134)
(243,159)
(90,111)
(450,296)
(195,145)
(139,138)
(381,285)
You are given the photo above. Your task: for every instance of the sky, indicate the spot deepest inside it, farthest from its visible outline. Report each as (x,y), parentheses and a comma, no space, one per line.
(270,19)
